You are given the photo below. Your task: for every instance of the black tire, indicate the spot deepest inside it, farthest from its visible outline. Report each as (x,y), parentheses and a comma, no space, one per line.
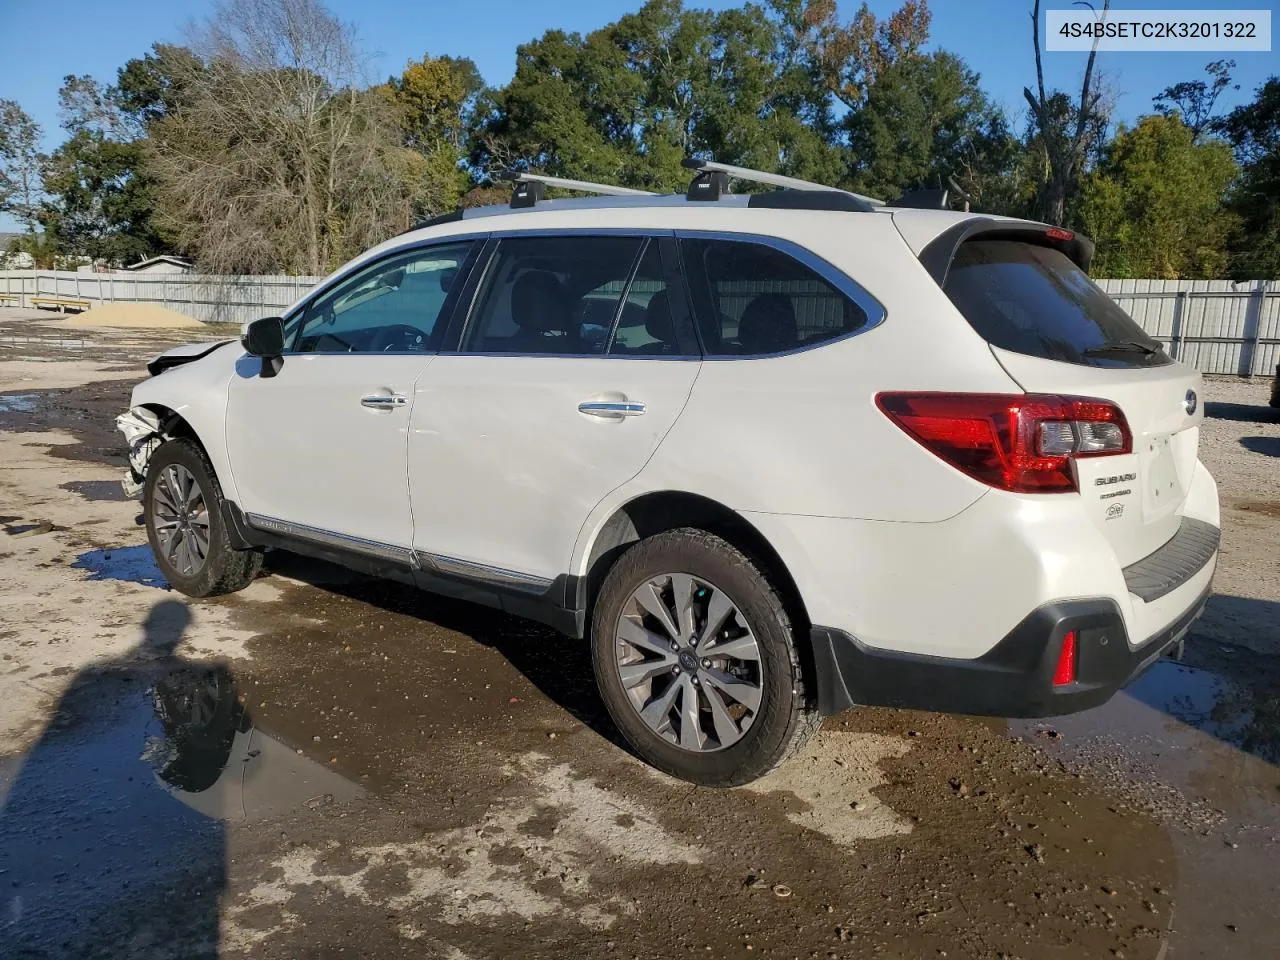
(224,570)
(786,717)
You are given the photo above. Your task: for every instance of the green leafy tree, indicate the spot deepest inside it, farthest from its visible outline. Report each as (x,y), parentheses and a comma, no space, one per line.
(432,102)
(925,120)
(1254,132)
(1154,205)
(628,102)
(150,87)
(99,204)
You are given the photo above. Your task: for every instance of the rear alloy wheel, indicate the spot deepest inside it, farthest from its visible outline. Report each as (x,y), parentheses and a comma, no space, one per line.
(182,504)
(696,661)
(689,662)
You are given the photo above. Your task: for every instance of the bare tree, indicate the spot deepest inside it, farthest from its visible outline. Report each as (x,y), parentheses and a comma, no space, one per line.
(1067,131)
(20,164)
(275,159)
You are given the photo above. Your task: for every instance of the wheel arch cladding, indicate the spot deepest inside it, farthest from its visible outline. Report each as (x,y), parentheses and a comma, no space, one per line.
(659,511)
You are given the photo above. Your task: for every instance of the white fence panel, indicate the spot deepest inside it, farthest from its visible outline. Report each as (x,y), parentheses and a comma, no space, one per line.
(211,299)
(1216,326)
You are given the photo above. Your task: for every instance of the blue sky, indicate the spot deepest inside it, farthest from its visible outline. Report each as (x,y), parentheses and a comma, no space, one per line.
(993,36)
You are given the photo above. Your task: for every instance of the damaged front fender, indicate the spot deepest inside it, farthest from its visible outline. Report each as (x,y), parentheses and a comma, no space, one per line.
(143,431)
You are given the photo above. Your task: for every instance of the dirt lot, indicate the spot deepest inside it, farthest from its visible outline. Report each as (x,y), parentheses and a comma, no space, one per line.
(326,765)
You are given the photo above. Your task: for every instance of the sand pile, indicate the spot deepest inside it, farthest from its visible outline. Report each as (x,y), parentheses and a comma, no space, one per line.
(137,315)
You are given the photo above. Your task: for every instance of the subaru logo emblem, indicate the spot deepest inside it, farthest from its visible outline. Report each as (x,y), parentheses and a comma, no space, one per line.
(1189,402)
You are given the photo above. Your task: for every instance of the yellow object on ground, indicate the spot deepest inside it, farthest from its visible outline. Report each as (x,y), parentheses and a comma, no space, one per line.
(137,315)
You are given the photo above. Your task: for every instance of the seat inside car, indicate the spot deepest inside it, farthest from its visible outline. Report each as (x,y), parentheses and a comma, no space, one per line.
(768,325)
(541,310)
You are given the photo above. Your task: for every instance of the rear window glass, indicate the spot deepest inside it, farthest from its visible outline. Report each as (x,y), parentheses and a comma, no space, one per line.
(750,299)
(1033,300)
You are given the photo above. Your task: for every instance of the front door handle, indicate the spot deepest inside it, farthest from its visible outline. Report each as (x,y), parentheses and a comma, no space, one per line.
(384,401)
(611,409)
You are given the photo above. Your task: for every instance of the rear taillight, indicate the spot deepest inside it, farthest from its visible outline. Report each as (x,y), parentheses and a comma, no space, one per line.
(1019,442)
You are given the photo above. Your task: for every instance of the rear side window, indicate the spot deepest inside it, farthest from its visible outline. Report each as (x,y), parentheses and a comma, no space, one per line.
(1033,300)
(753,299)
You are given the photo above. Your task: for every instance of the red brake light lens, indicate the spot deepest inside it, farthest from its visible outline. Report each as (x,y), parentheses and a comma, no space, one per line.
(1065,673)
(1057,233)
(1023,442)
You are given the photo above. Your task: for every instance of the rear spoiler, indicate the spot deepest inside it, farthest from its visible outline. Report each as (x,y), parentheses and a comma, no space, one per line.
(937,255)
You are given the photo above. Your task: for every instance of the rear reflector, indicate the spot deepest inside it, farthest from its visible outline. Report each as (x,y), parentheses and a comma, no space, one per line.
(1021,442)
(1065,673)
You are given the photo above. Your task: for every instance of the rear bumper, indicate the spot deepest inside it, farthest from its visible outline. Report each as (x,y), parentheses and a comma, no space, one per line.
(1013,679)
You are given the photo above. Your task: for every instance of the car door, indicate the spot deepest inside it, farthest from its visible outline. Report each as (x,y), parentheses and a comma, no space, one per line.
(576,360)
(319,449)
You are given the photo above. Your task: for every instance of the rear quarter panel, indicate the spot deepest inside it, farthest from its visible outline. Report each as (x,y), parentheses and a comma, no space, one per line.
(800,433)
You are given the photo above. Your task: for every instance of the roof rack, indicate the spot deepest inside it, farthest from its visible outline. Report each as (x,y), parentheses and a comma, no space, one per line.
(707,186)
(528,188)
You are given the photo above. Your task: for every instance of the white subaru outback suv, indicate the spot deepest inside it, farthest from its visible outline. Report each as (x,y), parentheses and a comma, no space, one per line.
(774,455)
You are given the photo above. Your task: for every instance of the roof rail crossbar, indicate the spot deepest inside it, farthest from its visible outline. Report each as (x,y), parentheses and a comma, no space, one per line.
(773,179)
(524,193)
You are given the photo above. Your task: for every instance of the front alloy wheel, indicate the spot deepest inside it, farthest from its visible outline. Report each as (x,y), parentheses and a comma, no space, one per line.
(181,518)
(183,508)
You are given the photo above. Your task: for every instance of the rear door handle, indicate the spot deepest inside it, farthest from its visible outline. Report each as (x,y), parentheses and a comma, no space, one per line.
(611,409)
(384,401)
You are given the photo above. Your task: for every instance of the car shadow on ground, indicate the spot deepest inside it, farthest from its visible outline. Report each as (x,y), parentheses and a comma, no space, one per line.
(1242,412)
(1222,688)
(97,825)
(1267,446)
(557,665)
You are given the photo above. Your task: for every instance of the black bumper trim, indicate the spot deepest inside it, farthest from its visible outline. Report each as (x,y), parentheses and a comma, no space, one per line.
(1013,679)
(1175,563)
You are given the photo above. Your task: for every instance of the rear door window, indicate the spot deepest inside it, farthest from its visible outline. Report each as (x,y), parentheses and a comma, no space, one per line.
(551,295)
(752,299)
(1033,300)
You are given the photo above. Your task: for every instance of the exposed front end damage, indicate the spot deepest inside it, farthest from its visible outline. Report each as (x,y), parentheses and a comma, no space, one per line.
(144,431)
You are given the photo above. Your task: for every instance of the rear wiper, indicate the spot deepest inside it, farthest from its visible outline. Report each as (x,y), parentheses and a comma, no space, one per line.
(1122,346)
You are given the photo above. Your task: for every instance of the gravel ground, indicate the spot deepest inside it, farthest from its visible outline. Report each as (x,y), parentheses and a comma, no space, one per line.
(326,764)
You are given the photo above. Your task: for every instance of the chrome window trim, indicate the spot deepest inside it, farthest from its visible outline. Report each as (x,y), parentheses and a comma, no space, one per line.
(473,570)
(841,281)
(860,295)
(302,531)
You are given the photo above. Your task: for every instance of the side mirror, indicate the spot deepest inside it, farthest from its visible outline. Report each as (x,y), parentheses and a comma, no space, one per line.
(264,338)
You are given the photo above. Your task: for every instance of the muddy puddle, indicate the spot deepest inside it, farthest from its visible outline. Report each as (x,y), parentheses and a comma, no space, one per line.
(145,764)
(18,402)
(1198,748)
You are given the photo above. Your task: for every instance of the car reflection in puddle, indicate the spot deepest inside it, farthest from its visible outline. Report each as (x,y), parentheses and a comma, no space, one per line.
(126,798)
(1245,716)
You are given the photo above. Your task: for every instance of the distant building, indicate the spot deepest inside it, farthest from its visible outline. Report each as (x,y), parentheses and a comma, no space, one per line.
(162,264)
(13,261)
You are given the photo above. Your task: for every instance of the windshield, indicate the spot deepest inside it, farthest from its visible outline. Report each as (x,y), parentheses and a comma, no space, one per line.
(1033,300)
